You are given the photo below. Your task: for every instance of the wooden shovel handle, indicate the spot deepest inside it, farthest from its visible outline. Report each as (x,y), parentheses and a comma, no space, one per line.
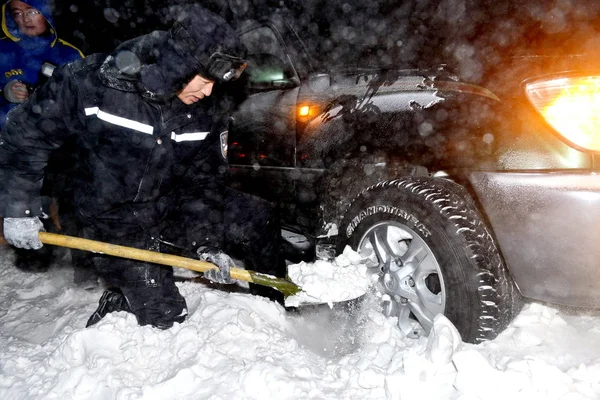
(286,287)
(136,254)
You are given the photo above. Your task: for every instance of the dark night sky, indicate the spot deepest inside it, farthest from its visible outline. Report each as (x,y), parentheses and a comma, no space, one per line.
(383,31)
(100,25)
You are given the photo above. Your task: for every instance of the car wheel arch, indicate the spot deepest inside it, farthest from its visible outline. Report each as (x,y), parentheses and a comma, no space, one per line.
(348,177)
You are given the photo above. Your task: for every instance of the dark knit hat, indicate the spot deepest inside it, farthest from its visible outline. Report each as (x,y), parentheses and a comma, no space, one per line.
(199,43)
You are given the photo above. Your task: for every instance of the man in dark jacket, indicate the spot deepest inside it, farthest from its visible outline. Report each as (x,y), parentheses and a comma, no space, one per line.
(151,160)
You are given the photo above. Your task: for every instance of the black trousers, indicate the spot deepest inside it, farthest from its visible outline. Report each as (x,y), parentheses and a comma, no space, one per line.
(251,232)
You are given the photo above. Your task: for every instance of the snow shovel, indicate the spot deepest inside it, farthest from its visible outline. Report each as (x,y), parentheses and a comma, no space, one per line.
(284,286)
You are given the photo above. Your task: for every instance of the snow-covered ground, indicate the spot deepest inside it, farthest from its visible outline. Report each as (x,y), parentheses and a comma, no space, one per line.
(236,346)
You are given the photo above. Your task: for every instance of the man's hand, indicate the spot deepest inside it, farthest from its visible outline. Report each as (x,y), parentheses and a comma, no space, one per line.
(16,91)
(23,232)
(221,260)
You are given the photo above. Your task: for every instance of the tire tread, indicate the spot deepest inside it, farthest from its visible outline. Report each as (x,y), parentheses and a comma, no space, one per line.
(499,300)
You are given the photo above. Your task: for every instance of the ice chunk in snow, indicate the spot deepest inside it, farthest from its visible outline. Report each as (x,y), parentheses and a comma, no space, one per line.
(443,341)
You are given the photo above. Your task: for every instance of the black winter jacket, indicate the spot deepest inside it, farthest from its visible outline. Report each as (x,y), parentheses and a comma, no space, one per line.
(138,157)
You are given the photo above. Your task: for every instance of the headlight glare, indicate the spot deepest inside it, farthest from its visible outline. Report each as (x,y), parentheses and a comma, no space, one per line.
(571,105)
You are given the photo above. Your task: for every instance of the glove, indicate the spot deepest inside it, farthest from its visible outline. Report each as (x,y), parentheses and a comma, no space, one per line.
(221,260)
(23,232)
(16,91)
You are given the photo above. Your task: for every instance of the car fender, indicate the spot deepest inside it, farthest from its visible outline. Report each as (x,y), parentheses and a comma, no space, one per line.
(418,122)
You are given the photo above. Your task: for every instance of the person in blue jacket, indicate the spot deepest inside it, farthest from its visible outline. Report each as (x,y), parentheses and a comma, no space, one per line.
(29,51)
(30,41)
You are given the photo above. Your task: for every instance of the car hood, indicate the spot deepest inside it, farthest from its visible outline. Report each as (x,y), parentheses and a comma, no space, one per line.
(506,78)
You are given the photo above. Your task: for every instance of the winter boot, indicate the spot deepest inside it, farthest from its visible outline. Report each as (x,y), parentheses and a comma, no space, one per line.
(112,300)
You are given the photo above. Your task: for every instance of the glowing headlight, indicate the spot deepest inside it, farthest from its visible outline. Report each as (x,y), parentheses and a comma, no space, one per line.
(571,105)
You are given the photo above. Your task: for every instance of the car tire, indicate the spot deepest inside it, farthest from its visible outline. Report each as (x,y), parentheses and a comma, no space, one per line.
(433,254)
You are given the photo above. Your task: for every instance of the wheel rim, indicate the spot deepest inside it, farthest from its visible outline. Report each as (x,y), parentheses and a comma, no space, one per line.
(410,278)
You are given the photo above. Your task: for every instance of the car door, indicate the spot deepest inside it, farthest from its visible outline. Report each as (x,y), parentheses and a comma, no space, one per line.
(262,131)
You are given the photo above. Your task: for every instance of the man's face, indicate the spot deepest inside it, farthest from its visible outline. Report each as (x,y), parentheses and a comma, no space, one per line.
(196,90)
(29,23)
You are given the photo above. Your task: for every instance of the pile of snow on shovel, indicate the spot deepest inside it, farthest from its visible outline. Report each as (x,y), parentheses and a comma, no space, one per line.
(326,282)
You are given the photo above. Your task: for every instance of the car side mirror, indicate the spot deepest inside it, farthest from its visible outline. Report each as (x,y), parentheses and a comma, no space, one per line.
(319,82)
(268,72)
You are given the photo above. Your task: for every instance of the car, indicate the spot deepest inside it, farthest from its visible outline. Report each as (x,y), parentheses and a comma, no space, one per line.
(469,179)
